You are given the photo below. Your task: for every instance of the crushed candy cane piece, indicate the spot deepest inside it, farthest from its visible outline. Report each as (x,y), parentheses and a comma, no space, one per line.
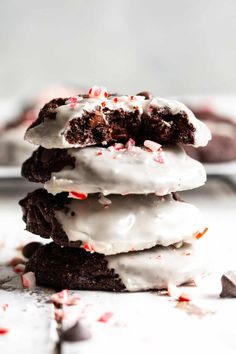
(19,268)
(158,156)
(3,330)
(5,307)
(104,200)
(88,248)
(28,280)
(98,92)
(105,317)
(61,297)
(184,297)
(198,235)
(130,144)
(118,146)
(152,145)
(77,195)
(99,152)
(115,99)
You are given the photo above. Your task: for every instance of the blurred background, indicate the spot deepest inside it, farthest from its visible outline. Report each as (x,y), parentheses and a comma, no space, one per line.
(169,47)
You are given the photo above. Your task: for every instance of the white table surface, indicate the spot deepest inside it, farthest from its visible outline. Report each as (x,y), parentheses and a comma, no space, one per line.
(141,321)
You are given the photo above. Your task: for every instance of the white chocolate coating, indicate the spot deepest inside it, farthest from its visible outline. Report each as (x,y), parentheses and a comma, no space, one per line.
(51,133)
(128,172)
(157,267)
(129,223)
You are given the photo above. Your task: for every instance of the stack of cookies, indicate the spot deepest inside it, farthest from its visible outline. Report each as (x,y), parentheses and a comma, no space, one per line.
(111,166)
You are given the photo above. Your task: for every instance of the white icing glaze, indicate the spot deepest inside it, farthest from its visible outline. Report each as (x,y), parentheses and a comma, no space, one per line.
(133,222)
(157,267)
(51,133)
(128,171)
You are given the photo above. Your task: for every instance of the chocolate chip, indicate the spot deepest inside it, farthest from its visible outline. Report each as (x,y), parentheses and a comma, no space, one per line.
(76,333)
(146,94)
(228,282)
(30,249)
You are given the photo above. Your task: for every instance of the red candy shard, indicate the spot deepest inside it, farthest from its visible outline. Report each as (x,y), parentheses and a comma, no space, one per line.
(115,99)
(63,297)
(28,280)
(88,247)
(3,330)
(99,152)
(77,195)
(19,268)
(105,317)
(103,104)
(200,234)
(184,297)
(130,144)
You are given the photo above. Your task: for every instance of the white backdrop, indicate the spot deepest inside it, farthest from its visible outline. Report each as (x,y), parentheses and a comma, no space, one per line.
(168,47)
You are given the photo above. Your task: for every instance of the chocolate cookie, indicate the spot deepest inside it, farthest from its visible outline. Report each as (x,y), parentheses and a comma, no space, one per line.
(222,147)
(100,118)
(111,225)
(74,268)
(71,268)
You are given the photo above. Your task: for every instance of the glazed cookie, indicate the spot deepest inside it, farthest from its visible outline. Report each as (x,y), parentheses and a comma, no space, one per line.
(74,268)
(111,225)
(100,118)
(118,169)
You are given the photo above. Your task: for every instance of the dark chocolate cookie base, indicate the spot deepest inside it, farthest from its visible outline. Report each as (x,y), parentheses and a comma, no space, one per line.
(39,209)
(69,268)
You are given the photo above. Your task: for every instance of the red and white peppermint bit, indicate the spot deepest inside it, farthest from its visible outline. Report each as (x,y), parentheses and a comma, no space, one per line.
(61,297)
(103,104)
(5,307)
(198,235)
(103,200)
(105,317)
(88,248)
(118,146)
(16,260)
(98,92)
(28,280)
(184,297)
(132,98)
(77,195)
(3,330)
(130,144)
(158,156)
(19,268)
(187,253)
(152,145)
(99,152)
(115,99)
